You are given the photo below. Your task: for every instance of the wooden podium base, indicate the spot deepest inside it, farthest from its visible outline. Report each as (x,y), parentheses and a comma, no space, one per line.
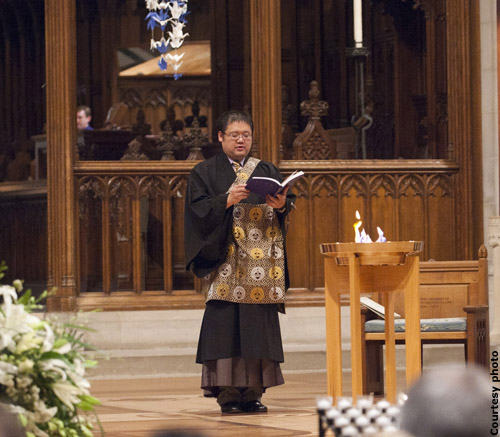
(385,268)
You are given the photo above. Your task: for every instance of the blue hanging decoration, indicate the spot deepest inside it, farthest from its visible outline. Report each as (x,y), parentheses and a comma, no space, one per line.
(170,13)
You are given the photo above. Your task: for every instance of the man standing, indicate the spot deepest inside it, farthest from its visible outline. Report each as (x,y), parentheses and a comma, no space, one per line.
(83,117)
(235,240)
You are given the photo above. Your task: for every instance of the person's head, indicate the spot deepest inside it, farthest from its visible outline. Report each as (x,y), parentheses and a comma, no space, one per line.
(9,425)
(83,117)
(449,402)
(234,131)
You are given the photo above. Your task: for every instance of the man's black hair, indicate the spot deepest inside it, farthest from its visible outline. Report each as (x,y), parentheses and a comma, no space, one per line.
(230,117)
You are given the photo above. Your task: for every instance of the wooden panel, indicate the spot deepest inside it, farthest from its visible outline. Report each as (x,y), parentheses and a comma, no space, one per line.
(300,218)
(23,239)
(353,192)
(389,194)
(438,300)
(411,193)
(440,223)
(382,207)
(325,205)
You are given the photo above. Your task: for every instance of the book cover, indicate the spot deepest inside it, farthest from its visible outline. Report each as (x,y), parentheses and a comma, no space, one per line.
(264,185)
(378,309)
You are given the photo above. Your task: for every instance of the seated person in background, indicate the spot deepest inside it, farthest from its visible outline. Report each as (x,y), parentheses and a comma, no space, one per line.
(449,402)
(83,117)
(9,425)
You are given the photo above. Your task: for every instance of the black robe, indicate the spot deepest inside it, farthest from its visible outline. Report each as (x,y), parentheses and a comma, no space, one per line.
(228,329)
(207,221)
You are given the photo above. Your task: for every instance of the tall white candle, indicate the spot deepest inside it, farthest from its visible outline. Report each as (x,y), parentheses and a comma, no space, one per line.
(358,24)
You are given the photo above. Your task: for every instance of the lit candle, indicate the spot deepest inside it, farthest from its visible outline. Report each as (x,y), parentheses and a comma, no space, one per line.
(358,24)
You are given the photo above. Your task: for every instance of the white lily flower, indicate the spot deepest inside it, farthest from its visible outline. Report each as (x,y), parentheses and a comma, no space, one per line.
(28,341)
(23,382)
(42,413)
(9,295)
(67,393)
(56,366)
(25,366)
(18,321)
(7,371)
(7,341)
(48,342)
(18,285)
(64,349)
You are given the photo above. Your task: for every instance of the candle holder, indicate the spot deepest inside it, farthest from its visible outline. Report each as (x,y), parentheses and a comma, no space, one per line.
(361,120)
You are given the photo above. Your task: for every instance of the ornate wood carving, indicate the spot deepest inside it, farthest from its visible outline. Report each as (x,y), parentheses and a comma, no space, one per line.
(314,143)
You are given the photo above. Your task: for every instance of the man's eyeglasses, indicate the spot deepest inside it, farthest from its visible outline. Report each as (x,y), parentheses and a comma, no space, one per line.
(235,135)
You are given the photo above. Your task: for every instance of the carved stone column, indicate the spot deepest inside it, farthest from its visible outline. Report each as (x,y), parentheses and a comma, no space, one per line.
(265,36)
(494,242)
(60,37)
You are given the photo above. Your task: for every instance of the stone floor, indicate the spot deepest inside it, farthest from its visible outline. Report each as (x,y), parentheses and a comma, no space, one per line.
(140,407)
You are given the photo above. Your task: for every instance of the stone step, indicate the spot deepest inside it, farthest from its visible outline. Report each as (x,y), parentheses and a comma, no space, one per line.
(163,343)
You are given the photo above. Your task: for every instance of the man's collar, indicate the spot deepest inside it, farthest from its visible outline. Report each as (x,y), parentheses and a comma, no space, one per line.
(242,162)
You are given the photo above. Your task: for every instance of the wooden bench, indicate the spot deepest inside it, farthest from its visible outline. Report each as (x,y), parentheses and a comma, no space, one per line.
(454,309)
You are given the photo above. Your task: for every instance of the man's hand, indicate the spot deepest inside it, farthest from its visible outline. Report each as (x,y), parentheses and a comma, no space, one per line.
(237,194)
(279,201)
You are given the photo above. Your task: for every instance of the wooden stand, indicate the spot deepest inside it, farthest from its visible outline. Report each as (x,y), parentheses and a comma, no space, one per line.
(385,268)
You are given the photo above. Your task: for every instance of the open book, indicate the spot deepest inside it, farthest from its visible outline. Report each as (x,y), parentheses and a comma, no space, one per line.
(264,185)
(378,309)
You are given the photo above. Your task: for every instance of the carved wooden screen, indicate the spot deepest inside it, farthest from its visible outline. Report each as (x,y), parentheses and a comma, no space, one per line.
(131,224)
(130,235)
(156,96)
(408,201)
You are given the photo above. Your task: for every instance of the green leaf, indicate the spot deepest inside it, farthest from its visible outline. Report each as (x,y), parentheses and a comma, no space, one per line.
(78,327)
(85,406)
(90,399)
(3,268)
(25,298)
(23,419)
(53,355)
(60,342)
(86,432)
(90,363)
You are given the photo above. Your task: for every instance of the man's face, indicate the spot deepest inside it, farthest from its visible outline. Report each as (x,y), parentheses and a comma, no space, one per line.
(82,120)
(236,148)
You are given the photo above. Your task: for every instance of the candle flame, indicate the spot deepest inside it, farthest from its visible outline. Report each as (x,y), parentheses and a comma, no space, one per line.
(381,238)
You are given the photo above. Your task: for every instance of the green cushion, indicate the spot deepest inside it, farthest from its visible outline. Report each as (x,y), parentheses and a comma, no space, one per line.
(426,325)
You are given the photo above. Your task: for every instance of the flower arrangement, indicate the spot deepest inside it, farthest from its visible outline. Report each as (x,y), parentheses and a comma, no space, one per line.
(42,368)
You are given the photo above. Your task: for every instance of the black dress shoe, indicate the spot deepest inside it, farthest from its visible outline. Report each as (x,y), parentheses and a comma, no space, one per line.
(230,408)
(254,407)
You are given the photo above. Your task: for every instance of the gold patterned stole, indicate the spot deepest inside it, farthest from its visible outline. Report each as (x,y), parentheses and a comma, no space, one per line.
(254,270)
